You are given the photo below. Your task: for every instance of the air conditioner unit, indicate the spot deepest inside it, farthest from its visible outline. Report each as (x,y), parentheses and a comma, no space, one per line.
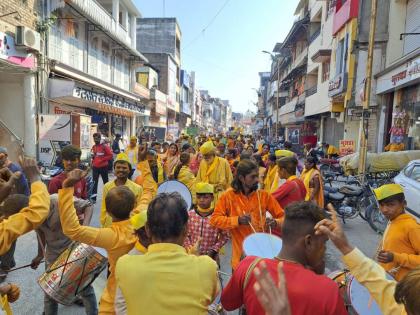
(28,38)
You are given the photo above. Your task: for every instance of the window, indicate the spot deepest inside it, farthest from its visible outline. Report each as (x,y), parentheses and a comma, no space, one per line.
(339,56)
(325,71)
(415,174)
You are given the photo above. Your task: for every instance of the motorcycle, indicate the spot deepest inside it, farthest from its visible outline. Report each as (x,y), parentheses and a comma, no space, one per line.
(351,201)
(330,166)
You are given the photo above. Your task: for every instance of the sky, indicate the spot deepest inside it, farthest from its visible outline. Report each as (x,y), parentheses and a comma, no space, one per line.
(227,55)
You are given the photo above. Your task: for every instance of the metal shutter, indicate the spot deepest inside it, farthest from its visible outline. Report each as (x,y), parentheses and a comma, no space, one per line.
(412,25)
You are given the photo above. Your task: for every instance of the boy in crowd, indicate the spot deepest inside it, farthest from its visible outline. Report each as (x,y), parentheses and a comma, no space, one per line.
(400,250)
(117,240)
(52,239)
(210,239)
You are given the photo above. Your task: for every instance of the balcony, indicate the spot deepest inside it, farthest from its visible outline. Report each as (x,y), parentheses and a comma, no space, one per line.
(142,91)
(99,16)
(300,59)
(318,102)
(314,36)
(344,12)
(311,91)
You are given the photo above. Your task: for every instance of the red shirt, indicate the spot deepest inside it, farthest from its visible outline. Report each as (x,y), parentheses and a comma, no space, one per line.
(291,191)
(308,292)
(101,155)
(56,183)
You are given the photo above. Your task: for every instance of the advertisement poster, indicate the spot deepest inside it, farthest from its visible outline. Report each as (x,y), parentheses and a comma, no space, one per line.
(54,134)
(294,135)
(173,132)
(155,133)
(347,147)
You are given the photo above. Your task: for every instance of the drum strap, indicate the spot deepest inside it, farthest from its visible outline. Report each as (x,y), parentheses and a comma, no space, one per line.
(249,271)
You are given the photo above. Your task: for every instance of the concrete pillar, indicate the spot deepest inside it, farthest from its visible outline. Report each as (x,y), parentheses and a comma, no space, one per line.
(29,103)
(116,10)
(133,31)
(124,21)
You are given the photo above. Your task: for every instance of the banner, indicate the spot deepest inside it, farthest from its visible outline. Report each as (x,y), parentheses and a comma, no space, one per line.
(347,147)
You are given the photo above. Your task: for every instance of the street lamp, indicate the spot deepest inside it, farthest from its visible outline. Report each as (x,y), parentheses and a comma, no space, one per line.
(273,57)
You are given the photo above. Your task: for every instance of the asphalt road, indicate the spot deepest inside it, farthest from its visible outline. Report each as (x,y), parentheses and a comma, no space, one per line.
(31,300)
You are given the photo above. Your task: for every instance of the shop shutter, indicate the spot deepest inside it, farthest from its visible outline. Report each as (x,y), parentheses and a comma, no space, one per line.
(333,131)
(412,25)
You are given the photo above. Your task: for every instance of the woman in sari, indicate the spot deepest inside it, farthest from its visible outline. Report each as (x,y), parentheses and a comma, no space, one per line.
(171,160)
(312,179)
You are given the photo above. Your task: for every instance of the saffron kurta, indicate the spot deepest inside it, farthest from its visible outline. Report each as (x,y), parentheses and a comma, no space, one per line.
(232,205)
(270,177)
(308,177)
(218,174)
(147,182)
(186,176)
(117,240)
(402,237)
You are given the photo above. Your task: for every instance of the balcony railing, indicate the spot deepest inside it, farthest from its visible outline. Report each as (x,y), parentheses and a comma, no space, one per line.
(311,90)
(98,15)
(314,35)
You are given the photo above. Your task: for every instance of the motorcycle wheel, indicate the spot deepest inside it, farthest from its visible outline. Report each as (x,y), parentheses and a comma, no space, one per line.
(376,219)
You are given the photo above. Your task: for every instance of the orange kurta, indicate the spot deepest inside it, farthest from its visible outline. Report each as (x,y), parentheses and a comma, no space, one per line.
(232,205)
(402,237)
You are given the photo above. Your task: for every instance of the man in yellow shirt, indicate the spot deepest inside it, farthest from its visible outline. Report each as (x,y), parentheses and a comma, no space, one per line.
(166,280)
(28,218)
(330,150)
(122,168)
(400,250)
(117,240)
(132,151)
(214,170)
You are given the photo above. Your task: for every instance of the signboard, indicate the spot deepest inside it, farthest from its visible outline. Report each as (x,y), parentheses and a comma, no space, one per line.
(192,131)
(347,147)
(54,134)
(61,109)
(8,52)
(157,133)
(173,132)
(402,75)
(337,85)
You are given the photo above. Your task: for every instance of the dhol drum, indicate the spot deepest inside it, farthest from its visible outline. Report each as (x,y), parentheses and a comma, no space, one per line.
(176,186)
(216,307)
(357,298)
(75,269)
(262,245)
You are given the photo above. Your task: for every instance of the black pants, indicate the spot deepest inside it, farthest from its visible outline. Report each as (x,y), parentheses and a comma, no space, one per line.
(103,171)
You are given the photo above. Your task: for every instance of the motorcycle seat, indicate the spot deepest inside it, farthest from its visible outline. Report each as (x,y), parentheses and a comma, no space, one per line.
(351,190)
(336,196)
(330,189)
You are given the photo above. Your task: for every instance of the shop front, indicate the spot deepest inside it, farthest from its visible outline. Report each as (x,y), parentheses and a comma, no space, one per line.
(18,89)
(111,113)
(399,87)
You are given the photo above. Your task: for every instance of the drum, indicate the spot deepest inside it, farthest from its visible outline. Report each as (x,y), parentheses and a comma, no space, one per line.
(262,245)
(75,269)
(216,307)
(356,297)
(176,186)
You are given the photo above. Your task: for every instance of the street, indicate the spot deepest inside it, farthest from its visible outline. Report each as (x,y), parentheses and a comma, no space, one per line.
(31,299)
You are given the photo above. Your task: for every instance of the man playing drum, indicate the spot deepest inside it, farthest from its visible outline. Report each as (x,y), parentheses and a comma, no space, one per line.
(242,209)
(51,243)
(303,257)
(117,240)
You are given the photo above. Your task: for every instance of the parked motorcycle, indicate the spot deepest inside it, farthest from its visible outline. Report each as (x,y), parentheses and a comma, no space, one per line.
(330,166)
(350,200)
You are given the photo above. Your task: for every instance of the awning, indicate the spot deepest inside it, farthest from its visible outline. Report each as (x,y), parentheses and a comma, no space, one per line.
(74,93)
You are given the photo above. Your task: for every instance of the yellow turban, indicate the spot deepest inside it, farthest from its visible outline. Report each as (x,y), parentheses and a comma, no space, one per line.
(388,190)
(122,157)
(133,138)
(207,147)
(204,188)
(139,220)
(284,153)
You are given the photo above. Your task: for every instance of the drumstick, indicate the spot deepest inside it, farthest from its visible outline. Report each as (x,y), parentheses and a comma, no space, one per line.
(252,227)
(21,267)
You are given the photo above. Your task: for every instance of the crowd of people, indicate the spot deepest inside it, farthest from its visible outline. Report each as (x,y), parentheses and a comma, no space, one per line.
(163,256)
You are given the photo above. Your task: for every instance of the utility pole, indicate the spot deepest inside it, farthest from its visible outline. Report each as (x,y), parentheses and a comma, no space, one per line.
(366,103)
